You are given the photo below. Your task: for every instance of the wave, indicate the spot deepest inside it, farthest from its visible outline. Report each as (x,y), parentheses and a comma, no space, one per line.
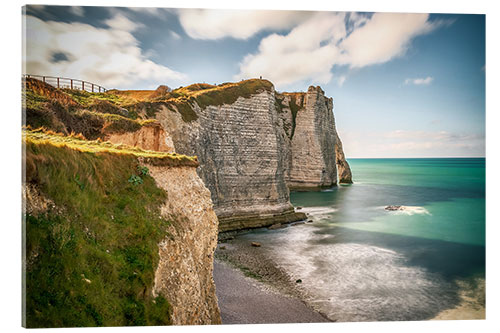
(346,283)
(318,212)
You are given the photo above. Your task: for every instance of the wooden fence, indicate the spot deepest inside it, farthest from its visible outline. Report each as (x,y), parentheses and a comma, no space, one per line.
(64,82)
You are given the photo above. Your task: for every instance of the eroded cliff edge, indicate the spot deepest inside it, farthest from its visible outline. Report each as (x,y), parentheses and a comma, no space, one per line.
(115,236)
(184,273)
(254,146)
(316,158)
(239,140)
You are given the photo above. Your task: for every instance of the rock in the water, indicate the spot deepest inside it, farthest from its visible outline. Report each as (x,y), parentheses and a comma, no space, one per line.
(299,208)
(255,244)
(310,221)
(276,226)
(298,281)
(394,207)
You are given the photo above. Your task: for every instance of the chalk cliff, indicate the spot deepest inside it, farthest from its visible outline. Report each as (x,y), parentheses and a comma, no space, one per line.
(184,272)
(150,136)
(127,235)
(254,145)
(240,149)
(343,169)
(316,158)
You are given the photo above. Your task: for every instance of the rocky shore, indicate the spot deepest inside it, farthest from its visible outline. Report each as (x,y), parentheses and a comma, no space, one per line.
(243,300)
(238,258)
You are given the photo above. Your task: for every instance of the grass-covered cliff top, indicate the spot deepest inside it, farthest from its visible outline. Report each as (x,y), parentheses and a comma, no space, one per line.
(225,93)
(77,142)
(55,108)
(94,115)
(200,93)
(91,254)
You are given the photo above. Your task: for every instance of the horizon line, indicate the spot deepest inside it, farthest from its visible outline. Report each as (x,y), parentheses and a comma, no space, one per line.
(416,157)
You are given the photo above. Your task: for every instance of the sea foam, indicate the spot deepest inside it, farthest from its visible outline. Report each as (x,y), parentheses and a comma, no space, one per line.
(319,213)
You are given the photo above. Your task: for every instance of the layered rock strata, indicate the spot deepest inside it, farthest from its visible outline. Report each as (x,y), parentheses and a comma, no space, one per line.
(316,158)
(240,149)
(253,150)
(149,137)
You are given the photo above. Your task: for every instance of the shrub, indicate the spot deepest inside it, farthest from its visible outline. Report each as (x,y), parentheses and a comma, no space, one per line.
(135,180)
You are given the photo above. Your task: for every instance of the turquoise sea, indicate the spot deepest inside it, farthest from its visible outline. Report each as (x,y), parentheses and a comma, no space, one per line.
(360,262)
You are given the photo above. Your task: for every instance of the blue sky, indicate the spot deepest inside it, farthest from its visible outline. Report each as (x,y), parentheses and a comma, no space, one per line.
(404,85)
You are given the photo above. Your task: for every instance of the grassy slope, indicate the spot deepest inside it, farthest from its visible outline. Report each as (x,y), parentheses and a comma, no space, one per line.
(94,115)
(91,259)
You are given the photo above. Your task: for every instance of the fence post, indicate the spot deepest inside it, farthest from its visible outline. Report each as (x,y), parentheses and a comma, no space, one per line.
(83,85)
(43,79)
(92,87)
(58,83)
(71,81)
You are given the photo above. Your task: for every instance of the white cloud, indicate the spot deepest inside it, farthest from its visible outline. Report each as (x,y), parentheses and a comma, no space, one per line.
(122,23)
(420,81)
(241,24)
(109,57)
(307,52)
(175,35)
(382,38)
(341,80)
(313,47)
(77,10)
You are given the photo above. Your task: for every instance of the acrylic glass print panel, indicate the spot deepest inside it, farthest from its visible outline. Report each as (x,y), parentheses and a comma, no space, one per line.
(202,166)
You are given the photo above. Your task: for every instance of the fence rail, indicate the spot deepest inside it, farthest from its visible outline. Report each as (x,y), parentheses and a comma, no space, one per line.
(64,82)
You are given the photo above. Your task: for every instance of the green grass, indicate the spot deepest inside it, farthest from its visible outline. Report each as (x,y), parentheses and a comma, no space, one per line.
(87,99)
(32,100)
(91,260)
(75,142)
(206,95)
(148,103)
(148,107)
(230,92)
(94,115)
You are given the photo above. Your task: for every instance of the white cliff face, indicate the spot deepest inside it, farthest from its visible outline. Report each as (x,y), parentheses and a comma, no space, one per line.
(312,163)
(316,158)
(239,147)
(184,273)
(343,168)
(254,150)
